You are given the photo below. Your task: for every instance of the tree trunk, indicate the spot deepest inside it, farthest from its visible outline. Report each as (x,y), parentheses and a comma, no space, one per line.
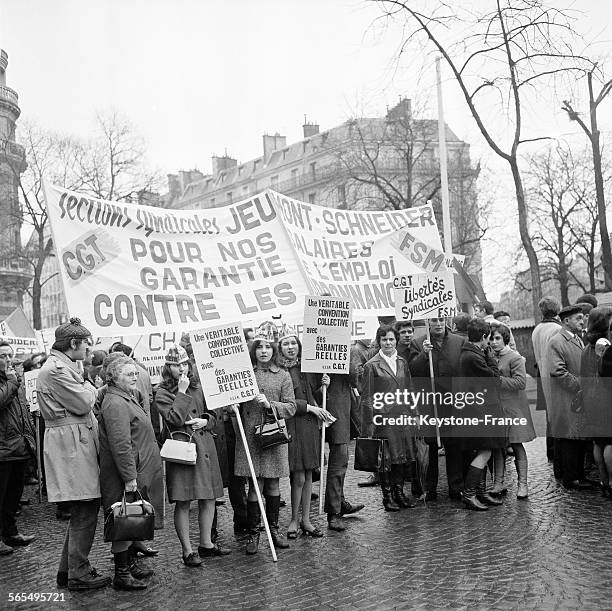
(36,294)
(534,265)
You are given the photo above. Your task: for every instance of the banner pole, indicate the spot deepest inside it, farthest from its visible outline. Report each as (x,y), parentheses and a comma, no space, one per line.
(262,509)
(433,386)
(161,428)
(322,463)
(38,461)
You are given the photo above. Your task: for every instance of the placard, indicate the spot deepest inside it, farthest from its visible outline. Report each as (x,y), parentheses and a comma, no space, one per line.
(224,365)
(29,381)
(326,339)
(425,296)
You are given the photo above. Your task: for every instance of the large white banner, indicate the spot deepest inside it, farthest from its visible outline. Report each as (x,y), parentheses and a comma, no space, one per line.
(130,269)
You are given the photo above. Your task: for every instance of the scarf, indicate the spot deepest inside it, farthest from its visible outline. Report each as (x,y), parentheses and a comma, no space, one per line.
(287,363)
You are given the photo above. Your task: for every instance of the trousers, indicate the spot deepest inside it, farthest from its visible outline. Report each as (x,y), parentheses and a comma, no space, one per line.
(337,464)
(12,475)
(79,538)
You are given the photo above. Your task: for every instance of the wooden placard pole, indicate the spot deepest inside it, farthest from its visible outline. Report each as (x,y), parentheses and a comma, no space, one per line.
(433,386)
(161,428)
(37,417)
(262,509)
(322,463)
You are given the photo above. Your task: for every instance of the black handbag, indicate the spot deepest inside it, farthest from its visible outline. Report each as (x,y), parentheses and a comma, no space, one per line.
(271,434)
(130,521)
(372,455)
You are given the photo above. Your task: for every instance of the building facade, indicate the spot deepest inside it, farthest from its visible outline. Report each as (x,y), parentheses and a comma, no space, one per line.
(15,273)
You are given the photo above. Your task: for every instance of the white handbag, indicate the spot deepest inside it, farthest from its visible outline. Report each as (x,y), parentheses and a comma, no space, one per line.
(181,452)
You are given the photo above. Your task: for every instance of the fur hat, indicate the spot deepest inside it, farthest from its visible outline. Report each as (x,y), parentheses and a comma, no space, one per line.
(570,310)
(72,330)
(176,355)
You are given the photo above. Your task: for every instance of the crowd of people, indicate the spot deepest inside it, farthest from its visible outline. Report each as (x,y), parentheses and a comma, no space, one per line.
(103,423)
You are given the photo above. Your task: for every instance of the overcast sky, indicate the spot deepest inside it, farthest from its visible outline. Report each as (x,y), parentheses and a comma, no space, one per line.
(201,77)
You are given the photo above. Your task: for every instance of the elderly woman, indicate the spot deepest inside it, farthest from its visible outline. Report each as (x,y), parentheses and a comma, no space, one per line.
(129,458)
(385,373)
(270,464)
(305,446)
(181,404)
(514,404)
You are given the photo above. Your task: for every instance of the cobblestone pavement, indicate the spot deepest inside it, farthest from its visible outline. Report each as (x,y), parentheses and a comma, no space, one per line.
(552,551)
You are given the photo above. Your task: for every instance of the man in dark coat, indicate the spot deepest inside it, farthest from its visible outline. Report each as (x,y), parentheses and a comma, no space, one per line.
(17,446)
(564,351)
(445,348)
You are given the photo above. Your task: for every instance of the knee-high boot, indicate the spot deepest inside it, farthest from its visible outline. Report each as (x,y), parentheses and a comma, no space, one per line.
(272,510)
(388,502)
(482,494)
(472,481)
(253,517)
(521,469)
(123,578)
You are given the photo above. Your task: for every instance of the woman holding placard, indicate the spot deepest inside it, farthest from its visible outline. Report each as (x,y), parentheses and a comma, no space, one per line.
(384,374)
(180,402)
(304,449)
(270,464)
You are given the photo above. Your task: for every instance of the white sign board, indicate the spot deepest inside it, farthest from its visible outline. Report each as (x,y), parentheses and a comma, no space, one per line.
(29,380)
(424,296)
(326,338)
(21,345)
(224,365)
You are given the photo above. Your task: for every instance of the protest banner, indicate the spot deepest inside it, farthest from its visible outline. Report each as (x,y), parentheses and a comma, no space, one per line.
(22,346)
(224,365)
(131,269)
(424,296)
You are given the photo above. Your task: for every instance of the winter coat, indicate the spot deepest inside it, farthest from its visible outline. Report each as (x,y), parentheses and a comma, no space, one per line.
(596,383)
(201,481)
(17,435)
(563,360)
(514,401)
(379,378)
(540,337)
(71,430)
(478,373)
(128,450)
(305,446)
(275,383)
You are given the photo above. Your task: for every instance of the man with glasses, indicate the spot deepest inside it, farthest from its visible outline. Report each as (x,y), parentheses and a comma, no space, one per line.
(17,446)
(71,451)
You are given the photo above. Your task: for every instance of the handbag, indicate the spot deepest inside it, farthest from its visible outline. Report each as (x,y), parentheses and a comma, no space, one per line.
(372,455)
(181,452)
(130,521)
(271,434)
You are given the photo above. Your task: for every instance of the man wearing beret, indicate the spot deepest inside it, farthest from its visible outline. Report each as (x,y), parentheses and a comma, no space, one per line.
(71,451)
(563,359)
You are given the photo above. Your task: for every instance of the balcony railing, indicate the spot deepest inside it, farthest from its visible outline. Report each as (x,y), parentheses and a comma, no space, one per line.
(6,93)
(14,265)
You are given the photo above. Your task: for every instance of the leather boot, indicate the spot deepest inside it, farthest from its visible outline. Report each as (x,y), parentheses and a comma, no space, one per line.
(388,502)
(272,508)
(521,469)
(137,570)
(397,494)
(253,516)
(483,495)
(123,578)
(472,480)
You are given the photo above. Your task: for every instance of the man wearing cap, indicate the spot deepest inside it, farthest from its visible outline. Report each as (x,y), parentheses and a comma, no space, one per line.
(563,360)
(71,451)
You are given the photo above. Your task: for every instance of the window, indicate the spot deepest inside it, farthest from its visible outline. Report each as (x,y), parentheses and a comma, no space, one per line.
(212,202)
(311,198)
(313,170)
(256,165)
(240,168)
(342,194)
(274,182)
(230,197)
(294,176)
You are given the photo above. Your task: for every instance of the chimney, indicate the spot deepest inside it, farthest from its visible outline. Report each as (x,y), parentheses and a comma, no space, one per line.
(273,143)
(401,111)
(220,164)
(174,186)
(310,129)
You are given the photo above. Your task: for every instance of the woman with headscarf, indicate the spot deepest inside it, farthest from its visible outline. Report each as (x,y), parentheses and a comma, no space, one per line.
(181,404)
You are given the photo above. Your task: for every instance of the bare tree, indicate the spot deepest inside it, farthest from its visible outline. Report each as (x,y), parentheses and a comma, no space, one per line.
(497,55)
(593,134)
(563,217)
